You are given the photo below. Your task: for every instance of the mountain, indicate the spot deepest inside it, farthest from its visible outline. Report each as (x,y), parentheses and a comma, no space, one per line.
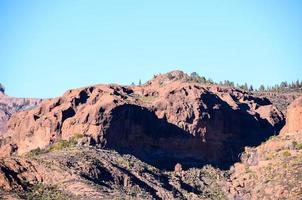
(170,138)
(211,123)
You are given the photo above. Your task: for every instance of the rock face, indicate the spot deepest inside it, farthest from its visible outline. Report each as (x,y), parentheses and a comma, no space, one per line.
(10,105)
(294,117)
(166,121)
(14,171)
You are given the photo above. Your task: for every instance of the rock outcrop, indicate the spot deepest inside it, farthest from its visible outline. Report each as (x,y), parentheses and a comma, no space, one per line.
(294,117)
(10,105)
(166,121)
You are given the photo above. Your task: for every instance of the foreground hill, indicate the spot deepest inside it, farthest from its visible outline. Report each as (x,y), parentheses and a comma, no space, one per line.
(170,138)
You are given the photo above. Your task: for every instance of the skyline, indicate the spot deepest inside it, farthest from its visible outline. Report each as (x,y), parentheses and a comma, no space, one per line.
(51,46)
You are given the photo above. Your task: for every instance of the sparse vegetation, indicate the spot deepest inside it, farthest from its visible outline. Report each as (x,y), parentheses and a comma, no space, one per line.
(35,152)
(44,192)
(194,77)
(206,181)
(57,146)
(284,86)
(297,145)
(286,153)
(65,144)
(145,99)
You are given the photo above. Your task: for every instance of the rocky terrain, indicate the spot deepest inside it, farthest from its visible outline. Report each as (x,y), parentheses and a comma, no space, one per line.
(10,105)
(280,99)
(273,170)
(83,172)
(171,138)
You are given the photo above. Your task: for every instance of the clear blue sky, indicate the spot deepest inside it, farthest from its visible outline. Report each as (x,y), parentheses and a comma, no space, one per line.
(49,46)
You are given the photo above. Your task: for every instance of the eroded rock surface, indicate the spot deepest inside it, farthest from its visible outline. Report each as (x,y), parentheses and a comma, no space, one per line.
(294,117)
(168,120)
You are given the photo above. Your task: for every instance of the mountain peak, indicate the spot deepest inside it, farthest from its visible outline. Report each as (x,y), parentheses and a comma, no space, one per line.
(166,78)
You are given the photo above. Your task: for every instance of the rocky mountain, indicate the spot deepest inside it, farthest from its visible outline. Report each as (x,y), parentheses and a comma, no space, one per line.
(171,138)
(167,118)
(10,105)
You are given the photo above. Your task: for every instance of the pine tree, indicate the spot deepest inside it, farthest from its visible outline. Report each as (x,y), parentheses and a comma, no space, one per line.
(2,88)
(262,88)
(194,75)
(245,86)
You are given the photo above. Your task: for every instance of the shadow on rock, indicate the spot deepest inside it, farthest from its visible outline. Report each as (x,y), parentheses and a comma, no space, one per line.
(138,131)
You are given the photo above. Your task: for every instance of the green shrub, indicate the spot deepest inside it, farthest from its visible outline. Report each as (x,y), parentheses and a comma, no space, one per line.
(46,192)
(57,146)
(297,145)
(286,153)
(65,144)
(36,152)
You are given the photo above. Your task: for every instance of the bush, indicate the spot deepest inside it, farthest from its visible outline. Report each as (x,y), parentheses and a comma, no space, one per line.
(36,152)
(286,153)
(65,144)
(57,146)
(46,192)
(297,145)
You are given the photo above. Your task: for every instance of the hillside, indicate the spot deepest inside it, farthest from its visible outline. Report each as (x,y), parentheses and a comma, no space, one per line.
(170,138)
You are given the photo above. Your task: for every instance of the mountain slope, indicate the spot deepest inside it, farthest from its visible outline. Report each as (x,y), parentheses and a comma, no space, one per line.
(171,138)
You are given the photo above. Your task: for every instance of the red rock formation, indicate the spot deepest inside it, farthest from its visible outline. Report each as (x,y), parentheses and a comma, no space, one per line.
(169,117)
(294,117)
(14,171)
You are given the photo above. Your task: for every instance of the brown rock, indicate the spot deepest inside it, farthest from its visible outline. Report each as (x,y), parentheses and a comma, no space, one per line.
(14,171)
(294,117)
(178,168)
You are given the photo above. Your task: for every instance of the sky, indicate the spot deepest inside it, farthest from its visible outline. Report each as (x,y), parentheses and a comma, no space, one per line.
(50,46)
